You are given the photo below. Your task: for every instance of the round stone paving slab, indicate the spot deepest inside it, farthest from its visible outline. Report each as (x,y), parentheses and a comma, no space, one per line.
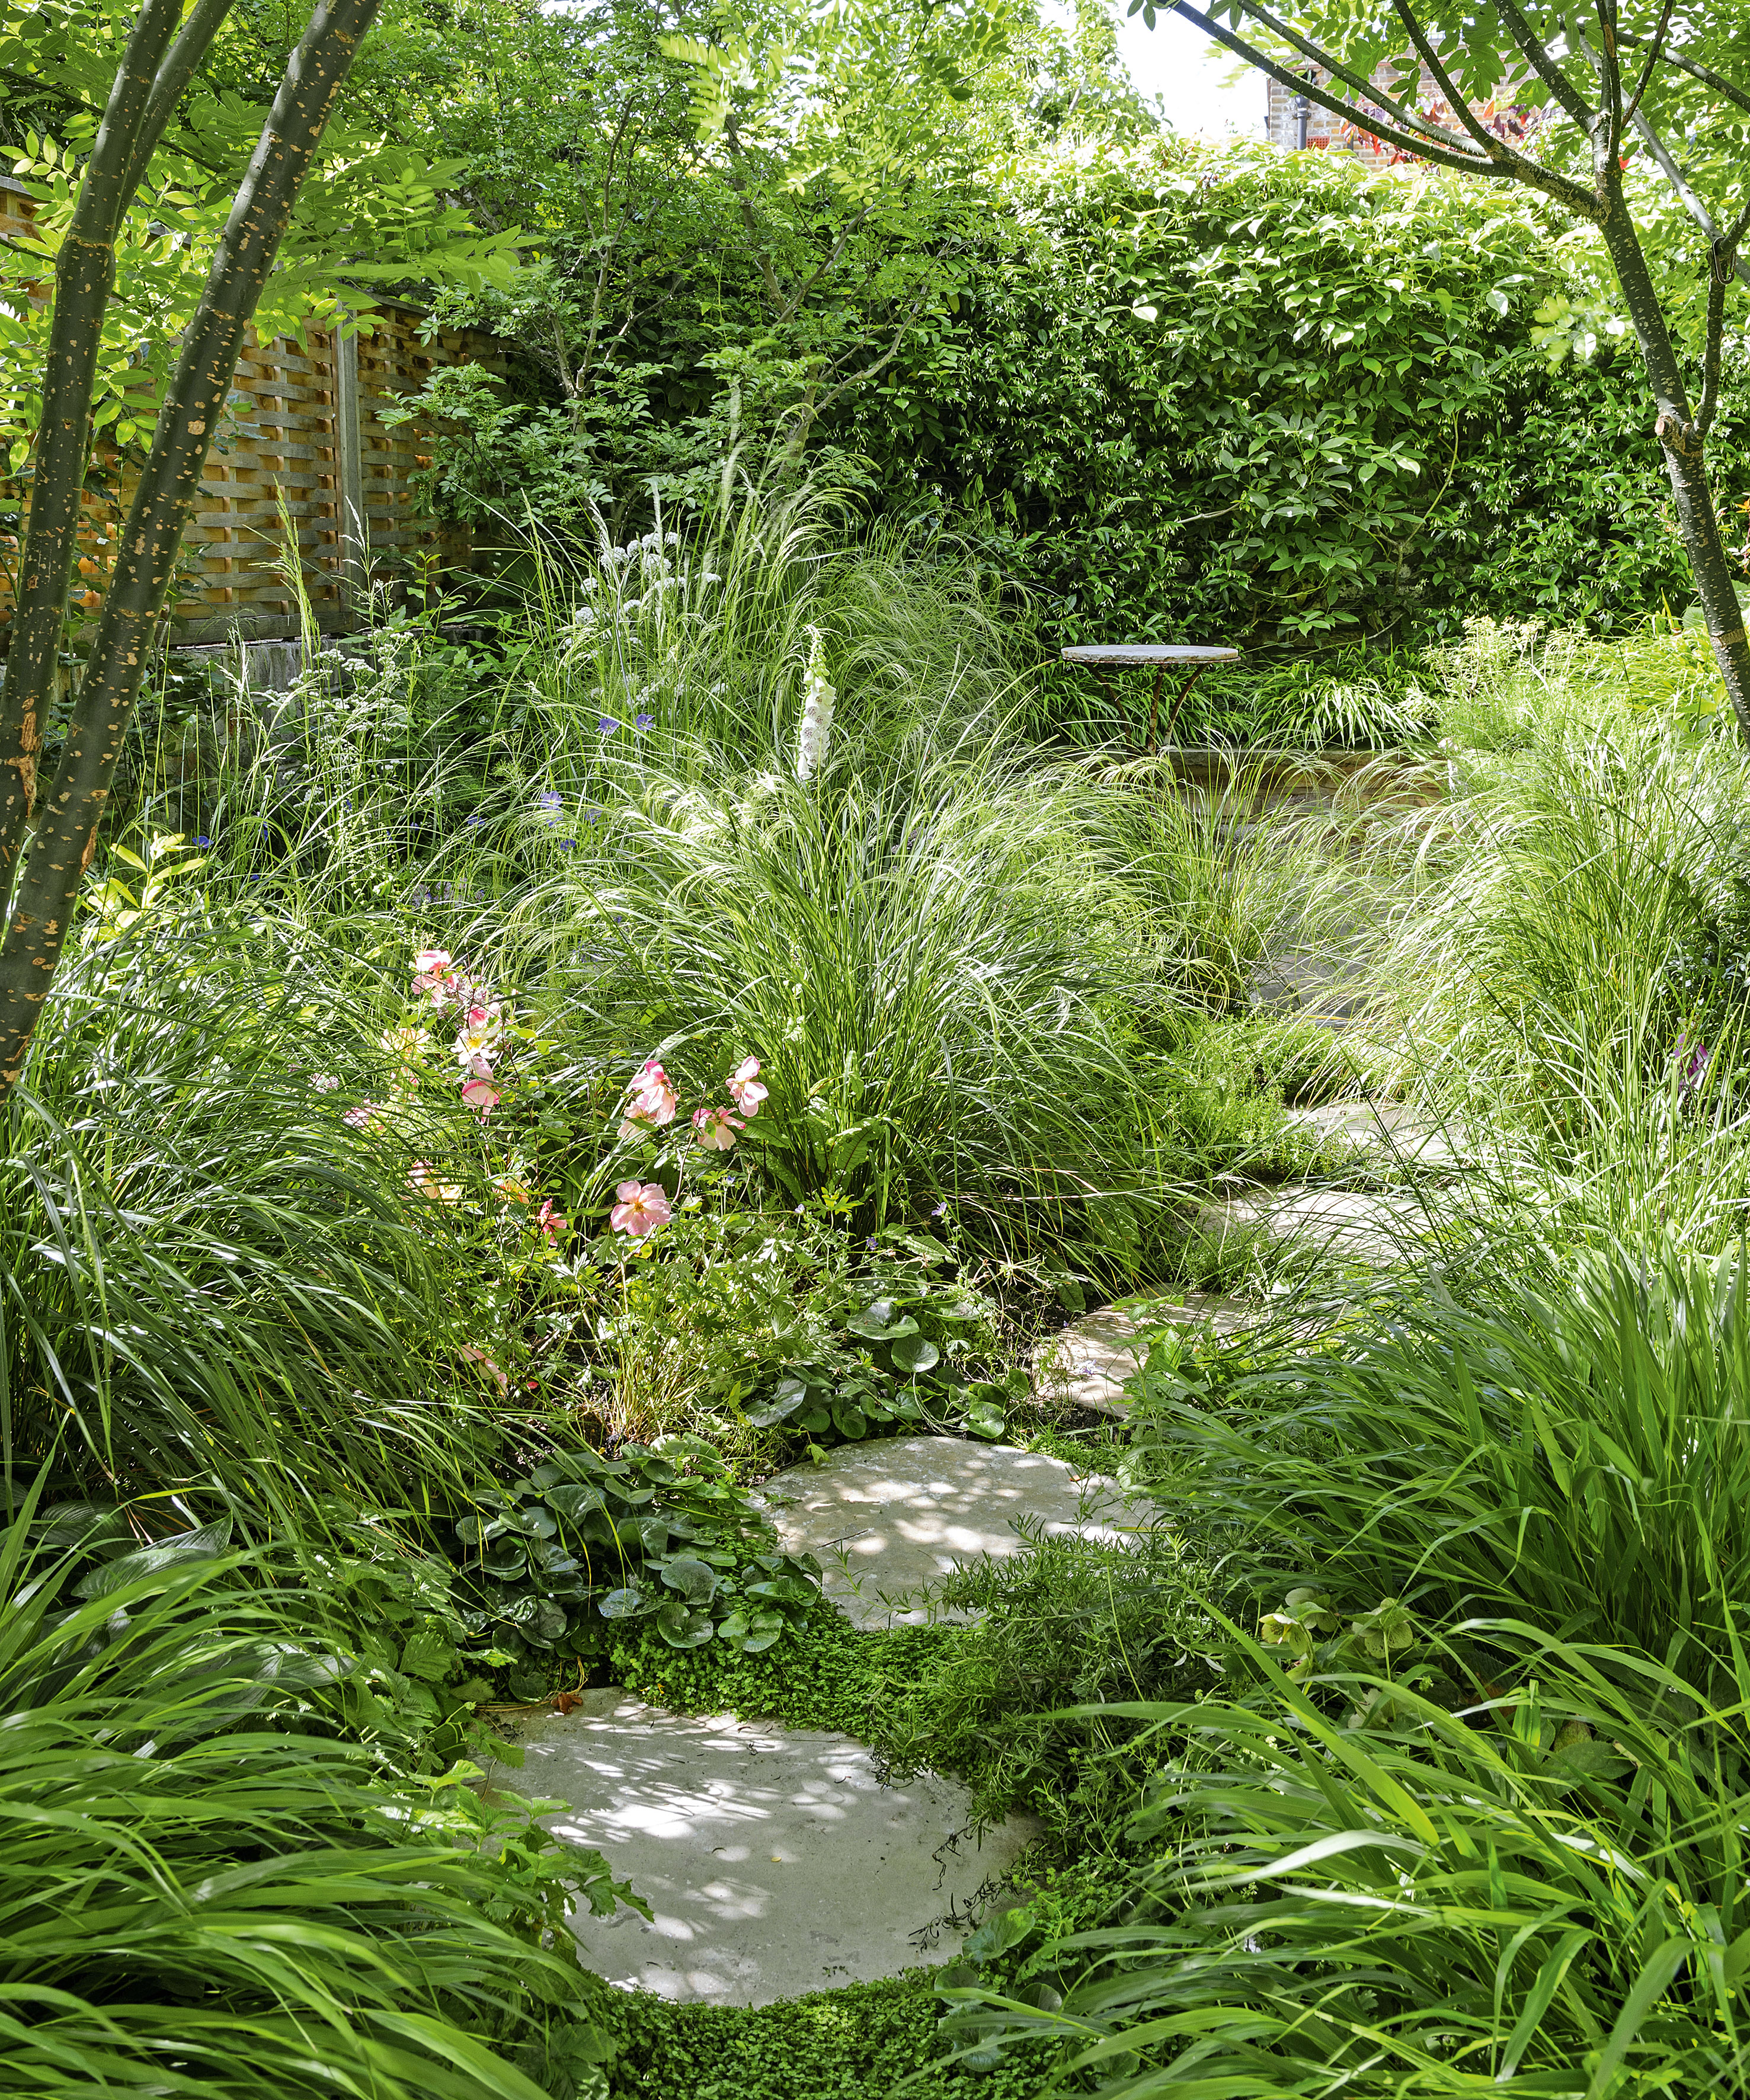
(888,1518)
(774,1859)
(1086,1364)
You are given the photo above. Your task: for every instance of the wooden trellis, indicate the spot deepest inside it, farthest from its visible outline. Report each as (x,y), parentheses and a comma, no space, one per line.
(305,436)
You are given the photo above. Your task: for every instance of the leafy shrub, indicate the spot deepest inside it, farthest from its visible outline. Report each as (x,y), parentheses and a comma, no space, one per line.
(900,1360)
(1240,395)
(556,1560)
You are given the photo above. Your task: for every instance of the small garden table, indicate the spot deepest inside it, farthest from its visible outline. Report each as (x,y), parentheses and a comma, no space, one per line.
(1100,656)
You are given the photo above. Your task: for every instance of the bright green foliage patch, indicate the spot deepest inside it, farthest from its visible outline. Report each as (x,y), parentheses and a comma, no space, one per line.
(863,2042)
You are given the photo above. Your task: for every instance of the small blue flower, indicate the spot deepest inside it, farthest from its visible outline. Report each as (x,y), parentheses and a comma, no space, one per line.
(590,816)
(203,840)
(607,725)
(552,801)
(476,818)
(566,844)
(642,723)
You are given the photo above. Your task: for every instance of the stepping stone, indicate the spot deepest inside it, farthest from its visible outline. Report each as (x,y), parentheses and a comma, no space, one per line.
(886,1518)
(1397,1129)
(1085,1364)
(774,1859)
(1350,1226)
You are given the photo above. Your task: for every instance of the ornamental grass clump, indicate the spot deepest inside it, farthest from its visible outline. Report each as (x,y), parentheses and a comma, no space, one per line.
(1573,1450)
(205,1893)
(209,1284)
(925,952)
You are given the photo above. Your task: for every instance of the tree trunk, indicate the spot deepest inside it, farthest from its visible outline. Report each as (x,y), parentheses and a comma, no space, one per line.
(84,274)
(1681,440)
(47,894)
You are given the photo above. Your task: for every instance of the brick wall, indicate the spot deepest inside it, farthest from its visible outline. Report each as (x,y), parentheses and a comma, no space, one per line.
(279,445)
(1329,134)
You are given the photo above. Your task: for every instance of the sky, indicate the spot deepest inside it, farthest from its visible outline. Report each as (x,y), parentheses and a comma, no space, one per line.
(1190,74)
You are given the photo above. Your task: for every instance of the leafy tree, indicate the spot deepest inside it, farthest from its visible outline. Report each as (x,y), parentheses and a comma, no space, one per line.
(1671,77)
(150,176)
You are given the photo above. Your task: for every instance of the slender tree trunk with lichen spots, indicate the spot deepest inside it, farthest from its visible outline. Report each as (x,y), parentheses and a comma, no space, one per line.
(147,87)
(84,276)
(1681,437)
(47,897)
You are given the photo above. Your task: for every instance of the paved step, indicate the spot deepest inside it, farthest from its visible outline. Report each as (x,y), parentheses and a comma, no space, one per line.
(889,1518)
(775,1860)
(1085,1365)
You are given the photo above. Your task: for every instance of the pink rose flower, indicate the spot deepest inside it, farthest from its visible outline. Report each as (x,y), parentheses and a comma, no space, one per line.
(641,1210)
(432,970)
(481,1094)
(653,1099)
(366,1116)
(551,1222)
(715,1128)
(471,1355)
(744,1086)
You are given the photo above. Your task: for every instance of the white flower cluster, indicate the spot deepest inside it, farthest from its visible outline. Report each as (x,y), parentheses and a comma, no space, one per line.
(631,578)
(818,701)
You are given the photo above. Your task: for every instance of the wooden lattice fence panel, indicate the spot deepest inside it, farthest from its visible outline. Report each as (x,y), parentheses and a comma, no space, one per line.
(283,452)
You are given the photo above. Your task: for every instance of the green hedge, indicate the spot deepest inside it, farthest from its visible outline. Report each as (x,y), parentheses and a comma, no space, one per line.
(1272,398)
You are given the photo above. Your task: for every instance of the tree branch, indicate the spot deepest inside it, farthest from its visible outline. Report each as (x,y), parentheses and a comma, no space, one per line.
(1371,94)
(1421,144)
(1701,72)
(821,268)
(172,83)
(1721,270)
(1652,59)
(1497,149)
(1538,56)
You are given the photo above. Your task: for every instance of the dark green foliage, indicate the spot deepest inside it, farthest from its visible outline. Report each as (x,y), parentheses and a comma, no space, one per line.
(552,1562)
(899,1360)
(1258,397)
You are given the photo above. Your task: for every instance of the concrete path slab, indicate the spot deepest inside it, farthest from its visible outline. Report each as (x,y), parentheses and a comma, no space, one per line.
(1388,1130)
(774,1859)
(1086,1364)
(888,1517)
(1343,1224)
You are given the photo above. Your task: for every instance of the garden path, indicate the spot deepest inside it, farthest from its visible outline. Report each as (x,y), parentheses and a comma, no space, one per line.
(888,1520)
(775,1860)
